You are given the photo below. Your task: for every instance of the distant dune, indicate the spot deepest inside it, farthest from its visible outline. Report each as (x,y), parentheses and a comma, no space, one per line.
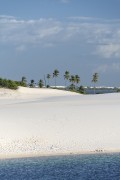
(47,121)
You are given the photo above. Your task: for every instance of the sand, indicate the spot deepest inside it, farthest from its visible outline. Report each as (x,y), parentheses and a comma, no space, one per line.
(36,122)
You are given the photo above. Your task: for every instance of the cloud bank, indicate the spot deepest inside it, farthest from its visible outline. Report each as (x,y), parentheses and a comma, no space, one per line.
(103,35)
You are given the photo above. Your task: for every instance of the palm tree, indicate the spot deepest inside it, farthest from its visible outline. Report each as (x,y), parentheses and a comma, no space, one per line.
(72,80)
(41,83)
(45,80)
(66,77)
(23,81)
(32,83)
(94,80)
(81,90)
(48,77)
(55,75)
(77,79)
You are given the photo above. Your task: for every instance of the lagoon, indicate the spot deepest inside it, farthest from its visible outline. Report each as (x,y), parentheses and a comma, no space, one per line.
(73,167)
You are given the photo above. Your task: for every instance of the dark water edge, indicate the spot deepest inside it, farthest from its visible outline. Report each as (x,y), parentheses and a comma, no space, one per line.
(100,91)
(73,167)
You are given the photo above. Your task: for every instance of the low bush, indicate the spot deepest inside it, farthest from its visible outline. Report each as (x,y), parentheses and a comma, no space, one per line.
(6,83)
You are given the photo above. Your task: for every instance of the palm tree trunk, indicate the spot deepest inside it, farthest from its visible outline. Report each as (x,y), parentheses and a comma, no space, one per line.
(55,81)
(45,80)
(94,88)
(65,83)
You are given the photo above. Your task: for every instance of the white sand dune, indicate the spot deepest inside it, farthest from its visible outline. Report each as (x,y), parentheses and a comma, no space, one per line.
(46,121)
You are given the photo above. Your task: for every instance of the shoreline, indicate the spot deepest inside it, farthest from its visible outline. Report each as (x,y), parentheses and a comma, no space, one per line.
(45,122)
(43,155)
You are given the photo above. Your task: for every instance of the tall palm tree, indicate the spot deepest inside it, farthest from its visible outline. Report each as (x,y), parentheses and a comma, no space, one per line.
(95,79)
(45,80)
(72,80)
(41,83)
(48,77)
(77,79)
(23,81)
(55,75)
(66,77)
(32,83)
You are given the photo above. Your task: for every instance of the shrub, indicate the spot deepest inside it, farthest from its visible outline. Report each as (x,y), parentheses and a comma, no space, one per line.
(8,84)
(81,90)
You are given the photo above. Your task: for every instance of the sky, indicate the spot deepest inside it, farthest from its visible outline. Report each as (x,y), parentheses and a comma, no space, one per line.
(81,36)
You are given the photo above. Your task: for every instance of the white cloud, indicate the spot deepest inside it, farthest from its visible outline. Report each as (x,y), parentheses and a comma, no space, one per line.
(83,18)
(104,35)
(28,32)
(108,51)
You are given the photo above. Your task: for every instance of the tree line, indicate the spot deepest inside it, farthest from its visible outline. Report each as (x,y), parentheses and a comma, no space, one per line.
(74,80)
(10,84)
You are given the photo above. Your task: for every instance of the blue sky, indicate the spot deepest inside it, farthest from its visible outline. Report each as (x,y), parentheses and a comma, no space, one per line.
(82,36)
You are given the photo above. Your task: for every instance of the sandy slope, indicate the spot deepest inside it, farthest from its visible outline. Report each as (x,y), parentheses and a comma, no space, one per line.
(44,121)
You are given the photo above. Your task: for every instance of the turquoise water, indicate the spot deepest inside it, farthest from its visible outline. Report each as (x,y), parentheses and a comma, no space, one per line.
(80,167)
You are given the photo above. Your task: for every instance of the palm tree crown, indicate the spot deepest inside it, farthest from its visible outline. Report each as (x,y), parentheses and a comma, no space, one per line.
(72,79)
(24,80)
(77,79)
(66,76)
(55,73)
(48,76)
(95,79)
(32,83)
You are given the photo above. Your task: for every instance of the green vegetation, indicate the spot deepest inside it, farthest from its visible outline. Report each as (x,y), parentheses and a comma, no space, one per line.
(32,83)
(55,75)
(94,80)
(66,77)
(41,83)
(48,77)
(72,83)
(74,79)
(6,83)
(10,84)
(81,90)
(118,90)
(77,79)
(23,81)
(73,86)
